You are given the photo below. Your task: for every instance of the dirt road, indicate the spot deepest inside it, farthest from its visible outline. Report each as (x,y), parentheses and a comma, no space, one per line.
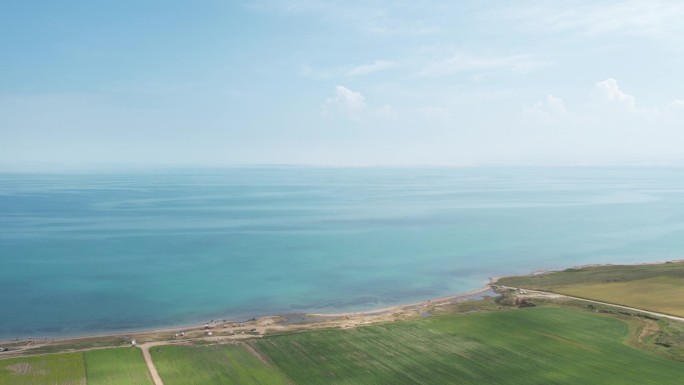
(148,360)
(544,294)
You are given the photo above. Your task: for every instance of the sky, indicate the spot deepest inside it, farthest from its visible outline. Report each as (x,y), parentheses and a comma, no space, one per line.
(341,83)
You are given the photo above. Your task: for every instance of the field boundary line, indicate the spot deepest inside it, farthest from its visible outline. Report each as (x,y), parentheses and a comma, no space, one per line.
(85,367)
(263,358)
(653,313)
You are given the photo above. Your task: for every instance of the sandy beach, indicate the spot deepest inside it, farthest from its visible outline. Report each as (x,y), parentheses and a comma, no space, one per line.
(224,329)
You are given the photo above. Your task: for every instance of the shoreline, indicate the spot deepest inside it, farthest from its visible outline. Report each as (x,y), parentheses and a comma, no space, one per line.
(451,297)
(309,320)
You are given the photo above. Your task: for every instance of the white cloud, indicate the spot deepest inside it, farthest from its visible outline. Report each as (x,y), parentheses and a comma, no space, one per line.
(346,102)
(467,62)
(545,110)
(352,105)
(608,103)
(651,18)
(309,72)
(365,69)
(677,105)
(383,17)
(609,97)
(608,92)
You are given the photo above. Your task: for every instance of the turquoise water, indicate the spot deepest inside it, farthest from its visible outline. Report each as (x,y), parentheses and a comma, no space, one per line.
(114,251)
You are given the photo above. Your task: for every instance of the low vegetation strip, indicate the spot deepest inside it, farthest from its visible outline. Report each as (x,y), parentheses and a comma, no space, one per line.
(51,369)
(658,287)
(213,364)
(122,366)
(528,346)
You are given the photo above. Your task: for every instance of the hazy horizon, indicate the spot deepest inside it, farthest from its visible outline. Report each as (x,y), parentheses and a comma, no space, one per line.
(162,167)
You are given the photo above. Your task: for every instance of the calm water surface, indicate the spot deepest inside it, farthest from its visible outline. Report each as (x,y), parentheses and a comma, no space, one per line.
(112,251)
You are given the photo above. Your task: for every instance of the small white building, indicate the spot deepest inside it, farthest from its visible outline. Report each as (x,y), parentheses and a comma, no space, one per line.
(133,343)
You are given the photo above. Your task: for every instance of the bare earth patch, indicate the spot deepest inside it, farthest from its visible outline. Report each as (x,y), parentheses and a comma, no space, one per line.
(23,368)
(648,330)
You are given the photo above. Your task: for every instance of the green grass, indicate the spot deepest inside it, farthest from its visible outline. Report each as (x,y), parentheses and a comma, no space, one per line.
(652,287)
(121,366)
(541,345)
(545,345)
(52,369)
(213,364)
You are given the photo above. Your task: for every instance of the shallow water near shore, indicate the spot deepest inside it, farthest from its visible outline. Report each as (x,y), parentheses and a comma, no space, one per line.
(112,251)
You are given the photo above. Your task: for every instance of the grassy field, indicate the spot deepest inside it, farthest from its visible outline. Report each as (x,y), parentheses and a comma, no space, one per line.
(213,364)
(122,366)
(652,287)
(546,345)
(52,369)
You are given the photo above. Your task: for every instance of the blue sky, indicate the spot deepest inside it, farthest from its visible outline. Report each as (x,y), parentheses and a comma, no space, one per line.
(341,82)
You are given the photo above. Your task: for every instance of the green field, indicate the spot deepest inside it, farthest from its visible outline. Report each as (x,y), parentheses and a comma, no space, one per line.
(548,344)
(122,366)
(652,287)
(213,364)
(544,345)
(51,369)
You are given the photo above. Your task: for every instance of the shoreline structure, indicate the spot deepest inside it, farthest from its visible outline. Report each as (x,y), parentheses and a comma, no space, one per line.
(257,326)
